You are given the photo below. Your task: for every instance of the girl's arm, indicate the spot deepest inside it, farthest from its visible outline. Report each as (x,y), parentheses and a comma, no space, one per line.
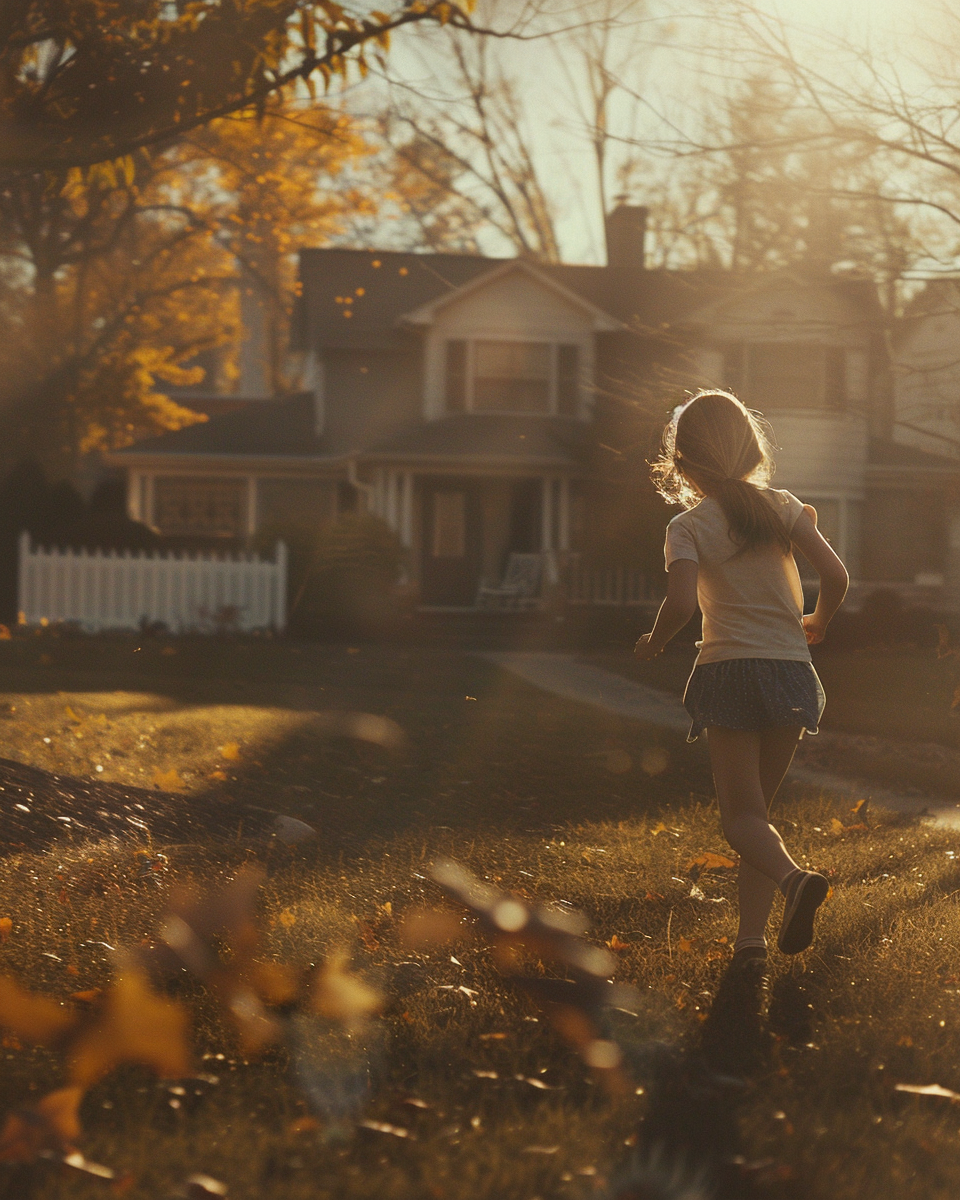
(833,574)
(676,610)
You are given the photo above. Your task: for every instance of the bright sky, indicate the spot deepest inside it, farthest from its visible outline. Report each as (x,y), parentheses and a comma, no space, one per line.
(671,81)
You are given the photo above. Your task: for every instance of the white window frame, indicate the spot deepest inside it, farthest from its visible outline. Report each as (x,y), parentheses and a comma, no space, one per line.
(553,382)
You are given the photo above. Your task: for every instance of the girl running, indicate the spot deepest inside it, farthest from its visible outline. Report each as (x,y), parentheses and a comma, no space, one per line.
(753,688)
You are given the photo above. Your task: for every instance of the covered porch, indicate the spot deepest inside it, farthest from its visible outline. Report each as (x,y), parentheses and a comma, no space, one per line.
(460,527)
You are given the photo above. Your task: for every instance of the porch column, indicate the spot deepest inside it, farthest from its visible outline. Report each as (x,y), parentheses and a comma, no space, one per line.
(406,509)
(390,505)
(135,496)
(546,515)
(251,505)
(563,523)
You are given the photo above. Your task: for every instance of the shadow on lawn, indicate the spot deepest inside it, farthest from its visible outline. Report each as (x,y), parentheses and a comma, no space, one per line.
(483,751)
(690,1143)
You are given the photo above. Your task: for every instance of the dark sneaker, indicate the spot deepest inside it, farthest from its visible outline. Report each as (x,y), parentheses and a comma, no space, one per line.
(749,955)
(804,896)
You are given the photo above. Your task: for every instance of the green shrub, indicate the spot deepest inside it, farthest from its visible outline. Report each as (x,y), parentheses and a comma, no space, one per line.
(342,577)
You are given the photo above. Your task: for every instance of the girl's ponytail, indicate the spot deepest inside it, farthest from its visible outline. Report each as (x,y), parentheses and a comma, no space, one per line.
(715,446)
(752,520)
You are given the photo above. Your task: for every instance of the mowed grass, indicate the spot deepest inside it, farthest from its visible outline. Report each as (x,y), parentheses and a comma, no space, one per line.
(544,798)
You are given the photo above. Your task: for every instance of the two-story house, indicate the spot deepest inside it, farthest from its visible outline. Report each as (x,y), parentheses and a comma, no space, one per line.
(470,403)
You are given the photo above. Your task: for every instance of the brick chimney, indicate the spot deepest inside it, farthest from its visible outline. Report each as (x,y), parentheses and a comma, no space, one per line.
(626,229)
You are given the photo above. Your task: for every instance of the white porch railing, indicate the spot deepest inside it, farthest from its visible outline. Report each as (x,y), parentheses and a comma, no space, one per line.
(614,586)
(100,590)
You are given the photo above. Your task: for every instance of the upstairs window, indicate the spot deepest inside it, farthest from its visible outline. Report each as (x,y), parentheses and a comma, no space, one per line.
(512,377)
(787,374)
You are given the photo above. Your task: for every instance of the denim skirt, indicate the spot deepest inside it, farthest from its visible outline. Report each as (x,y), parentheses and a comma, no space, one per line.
(754,694)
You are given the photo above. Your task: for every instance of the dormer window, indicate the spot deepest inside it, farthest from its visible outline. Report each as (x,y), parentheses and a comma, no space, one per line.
(512,377)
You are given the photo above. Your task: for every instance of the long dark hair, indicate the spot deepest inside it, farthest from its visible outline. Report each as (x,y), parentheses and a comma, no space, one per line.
(715,446)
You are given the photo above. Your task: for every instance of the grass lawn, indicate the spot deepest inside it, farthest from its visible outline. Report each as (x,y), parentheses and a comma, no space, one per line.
(538,796)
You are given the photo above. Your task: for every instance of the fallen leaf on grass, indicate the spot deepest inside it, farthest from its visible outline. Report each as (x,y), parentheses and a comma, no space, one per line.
(289,831)
(382,1127)
(230,751)
(168,781)
(51,1124)
(710,862)
(618,945)
(6,928)
(339,995)
(199,1187)
(134,1025)
(928,1089)
(34,1018)
(77,1162)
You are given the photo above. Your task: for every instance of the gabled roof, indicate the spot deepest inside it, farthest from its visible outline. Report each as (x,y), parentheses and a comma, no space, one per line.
(379,288)
(264,429)
(719,289)
(425,314)
(376,288)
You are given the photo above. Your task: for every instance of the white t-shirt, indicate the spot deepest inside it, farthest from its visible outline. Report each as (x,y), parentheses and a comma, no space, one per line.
(751,600)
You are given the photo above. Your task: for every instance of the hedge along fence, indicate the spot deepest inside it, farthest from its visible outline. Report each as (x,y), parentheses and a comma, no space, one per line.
(99,590)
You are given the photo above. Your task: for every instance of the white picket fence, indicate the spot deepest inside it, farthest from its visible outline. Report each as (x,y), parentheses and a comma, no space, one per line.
(98,590)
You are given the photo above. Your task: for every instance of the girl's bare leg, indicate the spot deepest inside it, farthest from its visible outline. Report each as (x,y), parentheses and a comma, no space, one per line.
(748,769)
(777,748)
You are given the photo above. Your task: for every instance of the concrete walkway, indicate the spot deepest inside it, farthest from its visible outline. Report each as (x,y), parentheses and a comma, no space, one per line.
(563,675)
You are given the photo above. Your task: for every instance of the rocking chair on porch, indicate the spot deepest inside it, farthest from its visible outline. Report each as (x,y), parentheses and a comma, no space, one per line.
(520,588)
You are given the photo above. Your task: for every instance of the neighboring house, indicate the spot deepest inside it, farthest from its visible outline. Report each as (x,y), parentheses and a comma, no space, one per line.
(470,402)
(923,526)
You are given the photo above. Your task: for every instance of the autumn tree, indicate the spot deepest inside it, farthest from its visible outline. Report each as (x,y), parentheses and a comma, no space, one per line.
(90,81)
(113,281)
(272,183)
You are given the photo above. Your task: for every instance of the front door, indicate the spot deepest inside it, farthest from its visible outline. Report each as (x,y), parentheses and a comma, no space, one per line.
(452,541)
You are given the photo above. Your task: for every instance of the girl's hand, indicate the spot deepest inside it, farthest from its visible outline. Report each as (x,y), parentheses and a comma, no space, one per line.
(814,629)
(644,650)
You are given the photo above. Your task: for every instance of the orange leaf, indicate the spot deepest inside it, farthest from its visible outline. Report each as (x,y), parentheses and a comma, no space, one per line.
(168,781)
(230,752)
(35,1018)
(134,1025)
(684,945)
(617,945)
(6,928)
(710,862)
(342,996)
(51,1124)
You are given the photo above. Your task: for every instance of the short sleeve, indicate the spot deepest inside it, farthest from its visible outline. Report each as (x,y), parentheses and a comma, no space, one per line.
(680,543)
(789,508)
